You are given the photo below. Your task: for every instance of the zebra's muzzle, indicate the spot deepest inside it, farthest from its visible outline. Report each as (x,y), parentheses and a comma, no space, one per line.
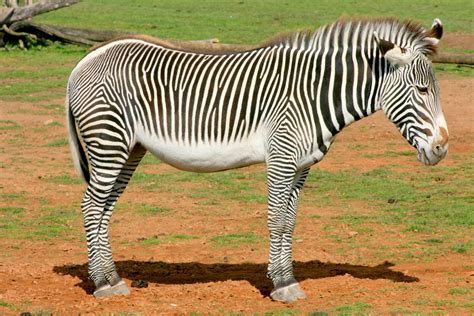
(431,157)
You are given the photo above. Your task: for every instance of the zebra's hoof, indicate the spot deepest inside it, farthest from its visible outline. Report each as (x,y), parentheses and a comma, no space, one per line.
(108,291)
(288,294)
(120,289)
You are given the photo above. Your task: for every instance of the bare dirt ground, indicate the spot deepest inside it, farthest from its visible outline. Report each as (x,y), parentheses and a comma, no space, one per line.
(194,275)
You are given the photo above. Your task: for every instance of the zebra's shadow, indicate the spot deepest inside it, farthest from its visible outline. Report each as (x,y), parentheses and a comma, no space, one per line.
(255,273)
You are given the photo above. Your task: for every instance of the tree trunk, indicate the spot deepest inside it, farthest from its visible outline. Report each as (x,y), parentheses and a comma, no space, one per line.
(467,59)
(65,34)
(22,13)
(11,3)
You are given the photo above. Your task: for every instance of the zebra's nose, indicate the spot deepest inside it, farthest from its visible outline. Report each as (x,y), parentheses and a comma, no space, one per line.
(439,150)
(440,147)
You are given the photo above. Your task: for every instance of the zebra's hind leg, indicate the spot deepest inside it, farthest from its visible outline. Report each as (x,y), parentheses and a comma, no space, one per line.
(106,186)
(283,202)
(117,285)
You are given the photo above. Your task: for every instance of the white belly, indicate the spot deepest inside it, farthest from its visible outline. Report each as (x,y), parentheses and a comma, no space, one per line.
(206,157)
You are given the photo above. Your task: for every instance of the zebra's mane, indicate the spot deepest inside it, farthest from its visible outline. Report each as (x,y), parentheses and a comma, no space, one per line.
(406,34)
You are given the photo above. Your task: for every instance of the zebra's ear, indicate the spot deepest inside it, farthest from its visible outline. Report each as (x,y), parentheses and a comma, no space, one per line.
(434,34)
(392,52)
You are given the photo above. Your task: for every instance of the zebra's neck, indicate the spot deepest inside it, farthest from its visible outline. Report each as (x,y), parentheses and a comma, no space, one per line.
(346,73)
(347,69)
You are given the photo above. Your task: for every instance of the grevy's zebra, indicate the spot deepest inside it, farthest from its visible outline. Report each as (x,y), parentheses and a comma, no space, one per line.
(282,103)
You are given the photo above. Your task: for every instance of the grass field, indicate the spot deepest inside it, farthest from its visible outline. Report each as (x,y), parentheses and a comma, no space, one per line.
(248,21)
(369,203)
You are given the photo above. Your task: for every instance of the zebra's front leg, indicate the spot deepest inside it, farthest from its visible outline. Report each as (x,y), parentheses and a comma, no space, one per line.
(284,189)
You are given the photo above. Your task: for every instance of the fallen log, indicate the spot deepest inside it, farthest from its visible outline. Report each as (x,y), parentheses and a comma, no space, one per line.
(80,36)
(16,25)
(70,35)
(450,58)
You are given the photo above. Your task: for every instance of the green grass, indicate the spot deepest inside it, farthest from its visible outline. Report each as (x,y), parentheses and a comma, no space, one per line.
(214,188)
(59,108)
(58,143)
(57,222)
(459,290)
(47,222)
(430,201)
(13,196)
(456,50)
(401,311)
(432,209)
(28,87)
(8,125)
(231,185)
(7,305)
(48,231)
(157,240)
(39,74)
(463,247)
(42,312)
(388,153)
(128,314)
(460,70)
(355,308)
(246,21)
(145,209)
(11,210)
(151,241)
(236,239)
(42,73)
(180,237)
(281,312)
(434,241)
(149,159)
(65,179)
(11,218)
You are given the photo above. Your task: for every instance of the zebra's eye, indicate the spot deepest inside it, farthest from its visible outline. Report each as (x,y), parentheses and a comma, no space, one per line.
(422,89)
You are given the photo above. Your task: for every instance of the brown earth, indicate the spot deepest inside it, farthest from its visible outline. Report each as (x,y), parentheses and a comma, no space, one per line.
(196,276)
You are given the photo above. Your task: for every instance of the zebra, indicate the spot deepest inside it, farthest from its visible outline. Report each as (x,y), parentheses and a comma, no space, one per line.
(281,103)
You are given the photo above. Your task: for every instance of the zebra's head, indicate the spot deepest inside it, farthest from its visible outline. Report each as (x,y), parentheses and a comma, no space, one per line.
(409,93)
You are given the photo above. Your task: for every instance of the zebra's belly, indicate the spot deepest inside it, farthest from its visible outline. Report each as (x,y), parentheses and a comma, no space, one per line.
(206,157)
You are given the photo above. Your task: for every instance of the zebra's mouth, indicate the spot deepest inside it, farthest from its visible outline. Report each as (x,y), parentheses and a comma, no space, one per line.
(428,158)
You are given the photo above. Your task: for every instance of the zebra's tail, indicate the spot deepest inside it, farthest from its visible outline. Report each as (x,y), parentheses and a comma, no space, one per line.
(78,155)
